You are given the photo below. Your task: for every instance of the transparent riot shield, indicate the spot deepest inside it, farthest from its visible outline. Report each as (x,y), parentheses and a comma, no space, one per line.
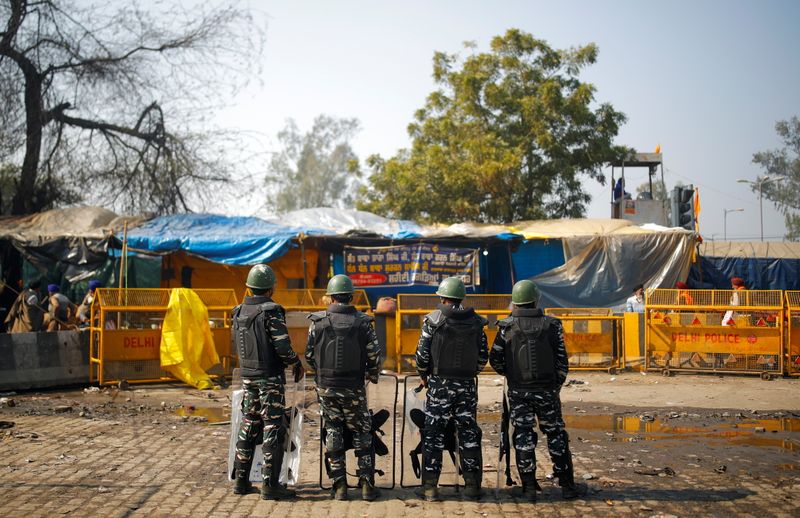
(414,397)
(382,404)
(293,444)
(293,421)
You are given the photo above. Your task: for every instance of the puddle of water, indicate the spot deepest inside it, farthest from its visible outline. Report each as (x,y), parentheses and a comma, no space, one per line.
(213,414)
(632,429)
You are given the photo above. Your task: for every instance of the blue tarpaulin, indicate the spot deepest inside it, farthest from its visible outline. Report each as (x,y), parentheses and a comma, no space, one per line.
(763,265)
(222,239)
(537,256)
(758,273)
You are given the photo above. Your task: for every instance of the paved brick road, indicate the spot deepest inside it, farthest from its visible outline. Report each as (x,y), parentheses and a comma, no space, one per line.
(139,461)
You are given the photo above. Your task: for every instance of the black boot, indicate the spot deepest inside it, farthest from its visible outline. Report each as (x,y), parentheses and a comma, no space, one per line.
(272,489)
(368,490)
(339,491)
(472,484)
(529,487)
(430,487)
(241,474)
(569,489)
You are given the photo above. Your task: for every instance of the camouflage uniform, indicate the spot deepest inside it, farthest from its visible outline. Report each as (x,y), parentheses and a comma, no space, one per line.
(456,398)
(347,407)
(528,404)
(263,405)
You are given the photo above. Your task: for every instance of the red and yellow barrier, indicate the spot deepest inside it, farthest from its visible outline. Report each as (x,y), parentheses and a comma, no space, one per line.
(125,333)
(793,333)
(593,337)
(715,331)
(412,308)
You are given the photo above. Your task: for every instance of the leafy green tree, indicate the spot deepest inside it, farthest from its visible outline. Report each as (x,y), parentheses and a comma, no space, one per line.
(785,162)
(509,134)
(314,169)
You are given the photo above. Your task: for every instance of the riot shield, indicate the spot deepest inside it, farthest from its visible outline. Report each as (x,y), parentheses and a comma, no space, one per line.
(414,396)
(293,421)
(293,445)
(382,404)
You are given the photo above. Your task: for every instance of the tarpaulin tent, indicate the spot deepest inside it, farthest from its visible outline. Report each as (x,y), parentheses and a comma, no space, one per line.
(77,238)
(603,259)
(68,247)
(575,262)
(222,239)
(762,265)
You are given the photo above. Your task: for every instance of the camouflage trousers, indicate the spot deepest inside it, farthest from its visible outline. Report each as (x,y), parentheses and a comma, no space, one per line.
(525,407)
(456,399)
(347,408)
(263,408)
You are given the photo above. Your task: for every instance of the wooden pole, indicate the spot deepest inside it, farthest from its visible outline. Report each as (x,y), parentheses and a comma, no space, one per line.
(305,264)
(122,268)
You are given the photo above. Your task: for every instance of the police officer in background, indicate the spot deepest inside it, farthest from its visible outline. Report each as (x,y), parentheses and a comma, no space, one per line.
(85,307)
(26,315)
(60,310)
(262,343)
(529,351)
(452,350)
(343,350)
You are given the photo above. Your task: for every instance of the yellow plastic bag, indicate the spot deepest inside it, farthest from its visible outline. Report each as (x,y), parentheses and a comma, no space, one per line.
(187,346)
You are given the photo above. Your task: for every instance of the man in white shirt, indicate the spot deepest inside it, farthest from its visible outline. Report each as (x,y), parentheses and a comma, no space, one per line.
(635,303)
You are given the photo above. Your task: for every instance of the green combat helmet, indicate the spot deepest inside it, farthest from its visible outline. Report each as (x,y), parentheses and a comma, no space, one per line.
(339,285)
(524,292)
(261,277)
(452,288)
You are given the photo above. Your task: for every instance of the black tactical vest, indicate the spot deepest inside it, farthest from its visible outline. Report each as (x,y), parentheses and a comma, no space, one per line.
(530,361)
(340,354)
(257,356)
(456,343)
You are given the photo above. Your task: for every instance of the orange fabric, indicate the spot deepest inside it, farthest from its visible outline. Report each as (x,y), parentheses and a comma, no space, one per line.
(208,274)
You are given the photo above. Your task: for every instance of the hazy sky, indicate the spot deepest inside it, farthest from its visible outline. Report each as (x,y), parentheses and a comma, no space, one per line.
(706,80)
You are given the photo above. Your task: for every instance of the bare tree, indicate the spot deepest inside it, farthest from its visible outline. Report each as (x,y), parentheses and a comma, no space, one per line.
(102,102)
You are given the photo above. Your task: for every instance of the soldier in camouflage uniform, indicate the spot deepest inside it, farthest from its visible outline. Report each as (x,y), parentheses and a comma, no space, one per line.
(343,350)
(529,350)
(452,350)
(262,343)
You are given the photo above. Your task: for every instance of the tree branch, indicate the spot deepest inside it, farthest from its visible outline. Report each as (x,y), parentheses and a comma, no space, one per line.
(153,136)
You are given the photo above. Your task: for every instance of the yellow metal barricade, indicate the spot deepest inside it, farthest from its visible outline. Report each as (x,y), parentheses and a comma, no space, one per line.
(125,333)
(793,333)
(299,303)
(731,331)
(411,309)
(593,337)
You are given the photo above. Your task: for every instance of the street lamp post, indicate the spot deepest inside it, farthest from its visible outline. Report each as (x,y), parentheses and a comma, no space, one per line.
(764,179)
(725,222)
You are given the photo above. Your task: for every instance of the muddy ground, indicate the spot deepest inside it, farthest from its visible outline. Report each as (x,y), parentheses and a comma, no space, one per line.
(646,445)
